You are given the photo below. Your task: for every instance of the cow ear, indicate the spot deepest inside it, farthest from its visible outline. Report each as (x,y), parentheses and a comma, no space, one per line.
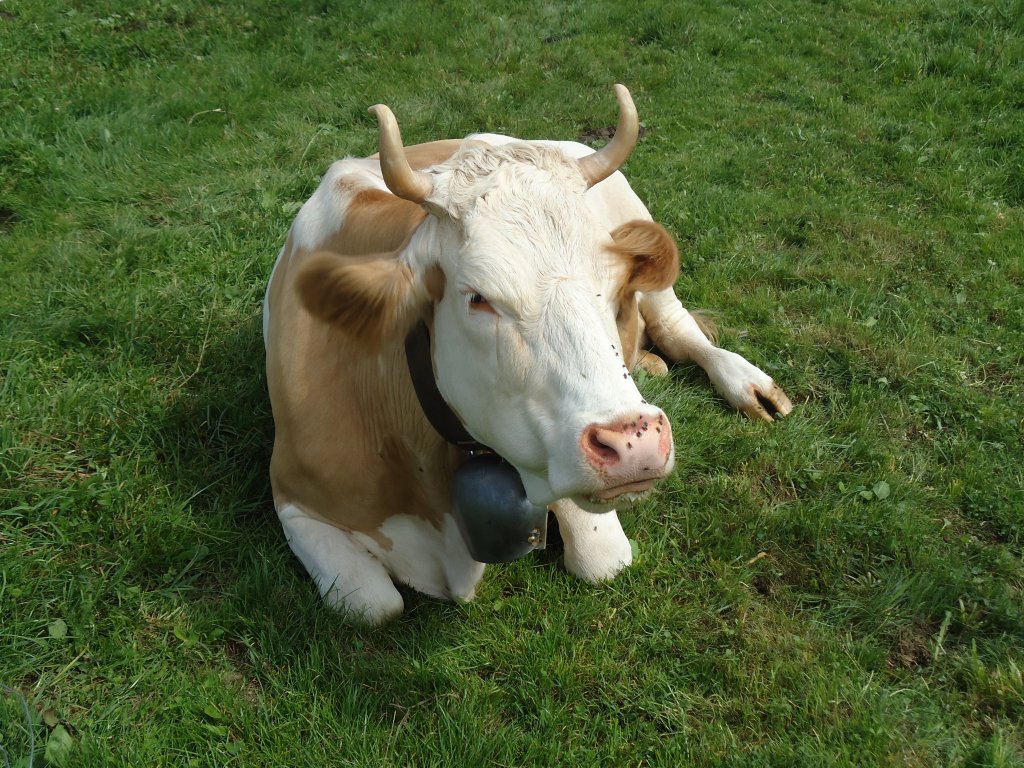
(651,253)
(372,301)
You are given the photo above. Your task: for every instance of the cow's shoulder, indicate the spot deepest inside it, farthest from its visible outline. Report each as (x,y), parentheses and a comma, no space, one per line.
(352,213)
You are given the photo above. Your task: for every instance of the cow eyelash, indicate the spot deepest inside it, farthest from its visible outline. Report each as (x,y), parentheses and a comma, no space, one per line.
(478,303)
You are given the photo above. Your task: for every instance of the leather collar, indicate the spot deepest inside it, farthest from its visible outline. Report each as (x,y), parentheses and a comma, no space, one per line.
(437,411)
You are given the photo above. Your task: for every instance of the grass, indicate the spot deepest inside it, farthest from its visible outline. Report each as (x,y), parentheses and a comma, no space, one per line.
(844,588)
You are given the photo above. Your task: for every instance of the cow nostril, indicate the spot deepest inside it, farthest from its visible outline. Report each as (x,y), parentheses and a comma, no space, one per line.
(601,450)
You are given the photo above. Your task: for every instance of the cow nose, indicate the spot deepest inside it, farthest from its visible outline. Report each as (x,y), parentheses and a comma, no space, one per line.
(629,453)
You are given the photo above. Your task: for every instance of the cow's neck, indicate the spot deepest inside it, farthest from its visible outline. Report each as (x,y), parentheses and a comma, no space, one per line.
(440,415)
(489,504)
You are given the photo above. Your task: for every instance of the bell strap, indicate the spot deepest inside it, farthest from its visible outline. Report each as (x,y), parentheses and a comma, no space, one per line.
(438,413)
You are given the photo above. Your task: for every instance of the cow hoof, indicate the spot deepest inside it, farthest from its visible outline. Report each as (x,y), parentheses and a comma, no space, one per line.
(650,362)
(746,387)
(768,403)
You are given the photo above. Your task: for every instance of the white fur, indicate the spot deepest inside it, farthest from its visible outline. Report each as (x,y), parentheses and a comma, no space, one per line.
(434,562)
(355,572)
(348,576)
(596,548)
(611,201)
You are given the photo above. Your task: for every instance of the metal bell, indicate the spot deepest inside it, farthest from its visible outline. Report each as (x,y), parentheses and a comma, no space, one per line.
(497,521)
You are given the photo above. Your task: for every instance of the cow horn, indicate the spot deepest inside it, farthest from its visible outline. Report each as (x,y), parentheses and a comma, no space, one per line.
(606,161)
(399,176)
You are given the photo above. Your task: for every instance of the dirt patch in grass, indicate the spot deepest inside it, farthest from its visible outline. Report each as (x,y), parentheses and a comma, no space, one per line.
(8,216)
(602,134)
(911,650)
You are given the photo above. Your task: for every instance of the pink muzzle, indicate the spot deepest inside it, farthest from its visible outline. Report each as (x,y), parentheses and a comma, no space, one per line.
(629,453)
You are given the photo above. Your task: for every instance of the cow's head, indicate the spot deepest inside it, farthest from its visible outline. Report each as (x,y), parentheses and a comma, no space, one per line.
(531,299)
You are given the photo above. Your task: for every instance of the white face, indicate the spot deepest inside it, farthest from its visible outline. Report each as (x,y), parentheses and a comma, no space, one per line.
(527,352)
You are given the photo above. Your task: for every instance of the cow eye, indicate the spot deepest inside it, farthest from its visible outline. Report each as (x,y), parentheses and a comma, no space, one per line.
(479,304)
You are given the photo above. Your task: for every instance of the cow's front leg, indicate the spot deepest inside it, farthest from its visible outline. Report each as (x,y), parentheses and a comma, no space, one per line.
(350,579)
(596,548)
(745,386)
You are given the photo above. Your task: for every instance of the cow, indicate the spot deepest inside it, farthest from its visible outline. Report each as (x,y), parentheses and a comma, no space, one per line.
(541,279)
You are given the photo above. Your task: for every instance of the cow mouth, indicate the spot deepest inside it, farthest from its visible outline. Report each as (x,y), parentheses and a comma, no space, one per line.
(632,489)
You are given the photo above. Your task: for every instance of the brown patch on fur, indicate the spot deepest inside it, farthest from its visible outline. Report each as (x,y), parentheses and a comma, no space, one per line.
(427,155)
(376,222)
(651,363)
(652,263)
(383,540)
(354,449)
(627,320)
(372,301)
(355,282)
(651,254)
(434,281)
(401,490)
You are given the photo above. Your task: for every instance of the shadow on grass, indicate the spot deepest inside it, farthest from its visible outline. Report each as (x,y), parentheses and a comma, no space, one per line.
(216,446)
(217,437)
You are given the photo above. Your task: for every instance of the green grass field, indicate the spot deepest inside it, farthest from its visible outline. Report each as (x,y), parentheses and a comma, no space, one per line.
(843,588)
